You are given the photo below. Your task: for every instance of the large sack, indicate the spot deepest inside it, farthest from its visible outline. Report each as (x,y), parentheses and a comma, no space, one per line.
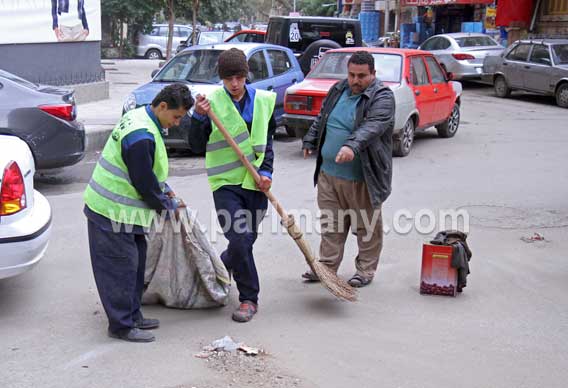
(183,270)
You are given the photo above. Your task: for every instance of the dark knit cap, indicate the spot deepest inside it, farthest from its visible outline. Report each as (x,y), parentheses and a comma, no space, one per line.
(232,62)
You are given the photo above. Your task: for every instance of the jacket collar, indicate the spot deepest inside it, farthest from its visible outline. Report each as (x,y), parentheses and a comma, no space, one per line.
(371,89)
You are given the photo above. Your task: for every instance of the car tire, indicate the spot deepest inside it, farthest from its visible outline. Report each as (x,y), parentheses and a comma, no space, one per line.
(501,88)
(313,50)
(290,131)
(403,144)
(562,95)
(153,54)
(449,127)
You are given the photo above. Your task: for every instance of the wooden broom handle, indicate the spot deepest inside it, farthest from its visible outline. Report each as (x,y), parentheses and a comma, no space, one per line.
(279,208)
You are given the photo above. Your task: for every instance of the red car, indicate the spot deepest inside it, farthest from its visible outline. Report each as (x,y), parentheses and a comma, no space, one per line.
(424,93)
(248,36)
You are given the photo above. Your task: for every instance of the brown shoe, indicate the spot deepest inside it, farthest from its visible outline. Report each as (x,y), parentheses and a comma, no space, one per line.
(245,312)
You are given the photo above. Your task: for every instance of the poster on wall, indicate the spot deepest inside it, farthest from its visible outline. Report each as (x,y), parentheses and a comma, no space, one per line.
(47,21)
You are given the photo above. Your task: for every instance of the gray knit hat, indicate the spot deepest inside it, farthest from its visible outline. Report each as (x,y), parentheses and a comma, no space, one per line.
(232,62)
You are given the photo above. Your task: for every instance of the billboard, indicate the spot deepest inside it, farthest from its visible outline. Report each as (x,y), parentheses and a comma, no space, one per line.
(47,21)
(408,3)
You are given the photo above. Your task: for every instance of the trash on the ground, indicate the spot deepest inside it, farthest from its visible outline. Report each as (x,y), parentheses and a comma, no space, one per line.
(535,237)
(249,351)
(203,355)
(225,344)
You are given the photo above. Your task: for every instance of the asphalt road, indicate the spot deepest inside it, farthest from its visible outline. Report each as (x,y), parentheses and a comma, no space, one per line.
(505,167)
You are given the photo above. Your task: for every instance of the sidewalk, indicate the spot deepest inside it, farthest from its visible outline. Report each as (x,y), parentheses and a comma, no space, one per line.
(100,117)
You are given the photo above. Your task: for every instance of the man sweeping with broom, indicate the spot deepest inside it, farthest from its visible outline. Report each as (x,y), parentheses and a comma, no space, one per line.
(247,115)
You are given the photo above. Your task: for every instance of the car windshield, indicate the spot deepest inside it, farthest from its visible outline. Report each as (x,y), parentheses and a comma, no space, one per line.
(334,66)
(476,41)
(198,66)
(561,53)
(18,80)
(212,37)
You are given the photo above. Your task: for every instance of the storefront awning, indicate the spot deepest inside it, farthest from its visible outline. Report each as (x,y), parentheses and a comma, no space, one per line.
(410,3)
(513,11)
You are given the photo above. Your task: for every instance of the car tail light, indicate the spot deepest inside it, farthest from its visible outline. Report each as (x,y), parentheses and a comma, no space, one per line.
(463,57)
(63,111)
(12,191)
(296,102)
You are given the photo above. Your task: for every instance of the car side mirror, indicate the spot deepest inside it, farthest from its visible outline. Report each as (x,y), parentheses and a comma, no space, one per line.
(449,76)
(154,72)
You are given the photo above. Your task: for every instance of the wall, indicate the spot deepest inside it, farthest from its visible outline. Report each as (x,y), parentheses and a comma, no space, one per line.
(553,18)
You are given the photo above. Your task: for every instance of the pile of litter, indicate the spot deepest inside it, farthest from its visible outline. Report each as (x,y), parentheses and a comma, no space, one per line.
(226,344)
(534,238)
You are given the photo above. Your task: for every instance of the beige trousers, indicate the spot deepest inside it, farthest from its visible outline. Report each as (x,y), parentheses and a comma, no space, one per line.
(72,33)
(345,206)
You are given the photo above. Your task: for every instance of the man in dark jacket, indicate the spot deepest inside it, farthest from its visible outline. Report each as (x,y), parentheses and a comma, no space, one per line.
(353,139)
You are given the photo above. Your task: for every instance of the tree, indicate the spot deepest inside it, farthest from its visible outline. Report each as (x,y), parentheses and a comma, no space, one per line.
(137,14)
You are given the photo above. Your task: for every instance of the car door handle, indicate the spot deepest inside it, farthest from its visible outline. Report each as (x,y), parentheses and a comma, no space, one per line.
(294,80)
(435,90)
(417,92)
(505,64)
(270,88)
(527,67)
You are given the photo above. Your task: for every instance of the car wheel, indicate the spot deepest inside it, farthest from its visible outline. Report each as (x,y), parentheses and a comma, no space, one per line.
(403,143)
(290,131)
(501,88)
(562,95)
(449,127)
(313,50)
(153,54)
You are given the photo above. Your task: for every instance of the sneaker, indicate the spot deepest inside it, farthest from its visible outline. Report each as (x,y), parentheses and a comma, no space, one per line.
(245,312)
(133,335)
(147,324)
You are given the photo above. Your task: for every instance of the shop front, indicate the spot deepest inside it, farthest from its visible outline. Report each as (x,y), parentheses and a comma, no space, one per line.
(432,17)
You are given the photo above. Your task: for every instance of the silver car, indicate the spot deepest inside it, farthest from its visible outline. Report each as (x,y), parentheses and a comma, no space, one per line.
(539,66)
(462,53)
(154,44)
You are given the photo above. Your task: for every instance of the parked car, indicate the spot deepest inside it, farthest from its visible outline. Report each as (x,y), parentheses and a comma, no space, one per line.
(309,37)
(232,26)
(247,36)
(260,26)
(537,66)
(45,117)
(205,37)
(425,95)
(154,44)
(462,53)
(270,67)
(25,214)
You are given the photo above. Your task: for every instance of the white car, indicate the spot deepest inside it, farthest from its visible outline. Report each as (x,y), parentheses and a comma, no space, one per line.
(25,214)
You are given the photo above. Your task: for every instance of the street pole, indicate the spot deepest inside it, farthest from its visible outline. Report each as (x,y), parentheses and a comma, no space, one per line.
(387,20)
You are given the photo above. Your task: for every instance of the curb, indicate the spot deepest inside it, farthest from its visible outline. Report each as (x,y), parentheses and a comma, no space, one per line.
(96,138)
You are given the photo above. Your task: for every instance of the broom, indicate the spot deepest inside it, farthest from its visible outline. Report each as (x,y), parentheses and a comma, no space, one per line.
(337,286)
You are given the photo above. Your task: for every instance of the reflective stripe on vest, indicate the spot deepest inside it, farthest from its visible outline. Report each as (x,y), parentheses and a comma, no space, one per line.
(119,173)
(110,191)
(223,164)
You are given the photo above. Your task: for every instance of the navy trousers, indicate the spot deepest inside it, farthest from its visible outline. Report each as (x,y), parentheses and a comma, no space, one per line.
(240,212)
(119,261)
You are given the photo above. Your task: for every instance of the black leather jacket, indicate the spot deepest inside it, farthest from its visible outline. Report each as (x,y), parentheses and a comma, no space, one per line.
(372,139)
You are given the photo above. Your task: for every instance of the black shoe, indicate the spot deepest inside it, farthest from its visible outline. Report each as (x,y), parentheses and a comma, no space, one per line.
(147,324)
(133,335)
